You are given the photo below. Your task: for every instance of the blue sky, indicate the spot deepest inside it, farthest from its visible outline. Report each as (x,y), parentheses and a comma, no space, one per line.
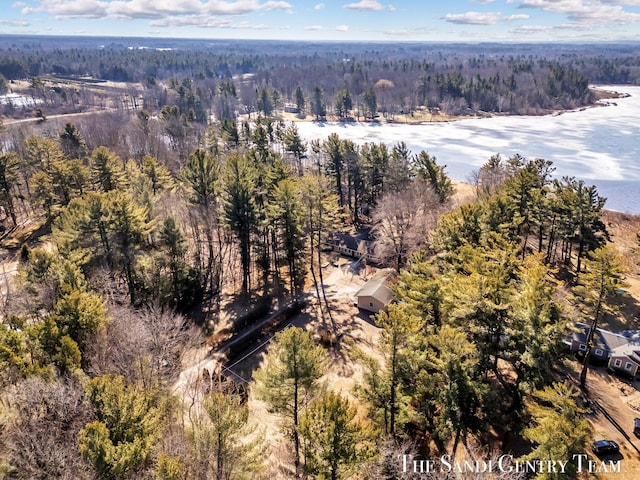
(394,20)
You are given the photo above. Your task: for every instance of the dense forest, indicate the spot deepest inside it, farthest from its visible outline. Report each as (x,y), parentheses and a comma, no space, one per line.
(200,79)
(128,235)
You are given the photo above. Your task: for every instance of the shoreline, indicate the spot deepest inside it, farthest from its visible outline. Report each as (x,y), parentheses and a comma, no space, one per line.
(426,117)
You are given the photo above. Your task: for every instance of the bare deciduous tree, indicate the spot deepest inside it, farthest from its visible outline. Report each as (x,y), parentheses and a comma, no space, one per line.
(144,346)
(40,421)
(402,221)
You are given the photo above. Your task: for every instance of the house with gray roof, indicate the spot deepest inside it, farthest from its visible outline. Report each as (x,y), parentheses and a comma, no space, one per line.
(603,341)
(375,295)
(619,351)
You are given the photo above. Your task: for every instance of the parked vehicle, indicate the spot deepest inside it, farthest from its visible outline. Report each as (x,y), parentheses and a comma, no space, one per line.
(600,447)
(636,427)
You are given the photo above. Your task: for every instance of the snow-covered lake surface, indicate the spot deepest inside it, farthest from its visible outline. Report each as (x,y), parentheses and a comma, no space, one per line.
(18,100)
(599,145)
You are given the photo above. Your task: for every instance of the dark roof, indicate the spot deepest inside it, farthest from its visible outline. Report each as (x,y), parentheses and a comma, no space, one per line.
(603,339)
(353,241)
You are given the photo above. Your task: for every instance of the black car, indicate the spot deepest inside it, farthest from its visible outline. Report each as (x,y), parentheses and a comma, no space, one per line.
(600,447)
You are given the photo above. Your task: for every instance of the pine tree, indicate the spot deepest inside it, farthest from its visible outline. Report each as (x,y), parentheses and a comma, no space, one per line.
(128,227)
(343,103)
(9,162)
(322,216)
(317,104)
(300,101)
(107,172)
(294,145)
(240,209)
(158,174)
(383,386)
(289,377)
(434,174)
(335,442)
(119,442)
(284,215)
(201,175)
(559,428)
(218,439)
(335,162)
(603,278)
(72,142)
(175,246)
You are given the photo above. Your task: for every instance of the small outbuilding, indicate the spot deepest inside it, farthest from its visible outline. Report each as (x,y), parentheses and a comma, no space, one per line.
(375,295)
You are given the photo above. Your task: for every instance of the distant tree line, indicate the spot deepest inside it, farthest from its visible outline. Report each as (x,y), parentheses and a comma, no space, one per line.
(352,81)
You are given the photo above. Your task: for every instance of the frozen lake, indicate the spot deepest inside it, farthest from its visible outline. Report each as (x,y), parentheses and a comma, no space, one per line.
(599,145)
(19,100)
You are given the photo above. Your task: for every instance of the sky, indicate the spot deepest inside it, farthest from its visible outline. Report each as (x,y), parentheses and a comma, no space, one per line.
(344,20)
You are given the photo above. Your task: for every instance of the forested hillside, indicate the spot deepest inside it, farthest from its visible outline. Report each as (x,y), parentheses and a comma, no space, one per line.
(132,240)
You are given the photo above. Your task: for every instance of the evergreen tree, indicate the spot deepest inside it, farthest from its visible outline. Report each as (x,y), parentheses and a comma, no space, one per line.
(202,175)
(128,227)
(375,164)
(335,442)
(602,280)
(294,145)
(289,378)
(559,428)
(175,246)
(343,104)
(119,442)
(322,216)
(370,103)
(335,162)
(9,162)
(285,217)
(434,174)
(157,174)
(317,104)
(107,171)
(218,439)
(383,387)
(240,209)
(300,101)
(72,142)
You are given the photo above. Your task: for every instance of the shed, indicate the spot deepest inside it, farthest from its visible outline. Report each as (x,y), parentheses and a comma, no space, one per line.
(375,295)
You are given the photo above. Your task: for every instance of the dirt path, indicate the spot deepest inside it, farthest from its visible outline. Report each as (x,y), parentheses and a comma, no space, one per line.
(62,115)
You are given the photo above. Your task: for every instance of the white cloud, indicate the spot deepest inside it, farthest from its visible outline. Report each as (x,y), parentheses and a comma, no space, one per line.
(511,18)
(409,32)
(319,6)
(276,6)
(314,27)
(531,29)
(371,5)
(482,18)
(595,12)
(155,9)
(14,23)
(391,8)
(481,2)
(342,28)
(205,22)
(74,9)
